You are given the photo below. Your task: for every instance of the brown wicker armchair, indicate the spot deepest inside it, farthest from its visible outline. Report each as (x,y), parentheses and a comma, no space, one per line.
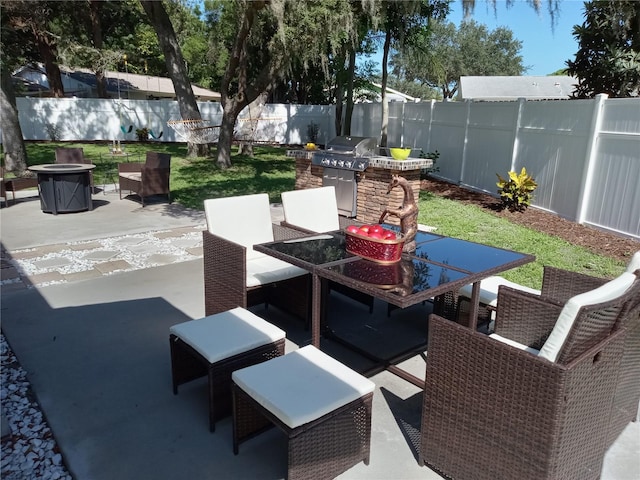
(560,285)
(14,184)
(315,210)
(73,155)
(495,411)
(150,178)
(235,275)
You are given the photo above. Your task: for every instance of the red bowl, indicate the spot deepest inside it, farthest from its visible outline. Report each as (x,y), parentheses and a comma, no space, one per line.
(376,250)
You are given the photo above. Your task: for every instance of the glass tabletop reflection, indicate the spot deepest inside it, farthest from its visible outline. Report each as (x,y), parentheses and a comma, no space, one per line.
(403,278)
(465,255)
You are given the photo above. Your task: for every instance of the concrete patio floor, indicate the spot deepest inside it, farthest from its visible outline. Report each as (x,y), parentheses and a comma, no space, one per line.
(97,356)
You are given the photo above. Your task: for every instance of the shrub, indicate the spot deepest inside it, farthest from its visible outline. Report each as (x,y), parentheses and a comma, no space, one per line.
(53,131)
(425,172)
(312,132)
(516,193)
(142,134)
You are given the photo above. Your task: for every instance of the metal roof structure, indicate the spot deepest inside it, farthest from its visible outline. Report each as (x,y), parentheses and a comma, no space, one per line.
(81,82)
(504,88)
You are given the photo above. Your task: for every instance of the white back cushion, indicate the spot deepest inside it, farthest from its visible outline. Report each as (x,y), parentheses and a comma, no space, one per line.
(245,220)
(604,293)
(634,264)
(314,209)
(489,289)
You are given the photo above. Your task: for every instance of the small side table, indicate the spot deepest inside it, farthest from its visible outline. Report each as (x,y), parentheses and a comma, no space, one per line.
(112,173)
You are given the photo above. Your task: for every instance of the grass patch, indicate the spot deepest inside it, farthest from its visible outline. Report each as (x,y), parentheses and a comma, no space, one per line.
(195,179)
(472,223)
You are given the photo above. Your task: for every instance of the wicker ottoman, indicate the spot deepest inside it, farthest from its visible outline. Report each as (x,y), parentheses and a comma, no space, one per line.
(216,346)
(322,406)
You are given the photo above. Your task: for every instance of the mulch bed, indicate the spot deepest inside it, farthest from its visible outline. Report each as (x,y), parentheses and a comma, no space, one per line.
(597,241)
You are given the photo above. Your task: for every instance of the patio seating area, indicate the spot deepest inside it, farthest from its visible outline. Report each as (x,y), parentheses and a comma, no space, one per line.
(98,357)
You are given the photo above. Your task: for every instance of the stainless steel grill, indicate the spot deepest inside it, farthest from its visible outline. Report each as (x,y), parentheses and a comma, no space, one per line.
(343,157)
(346,153)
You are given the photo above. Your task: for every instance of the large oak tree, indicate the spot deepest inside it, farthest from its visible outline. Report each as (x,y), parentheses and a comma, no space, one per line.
(176,67)
(608,60)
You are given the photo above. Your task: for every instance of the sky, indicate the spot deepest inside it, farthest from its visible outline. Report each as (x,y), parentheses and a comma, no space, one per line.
(544,51)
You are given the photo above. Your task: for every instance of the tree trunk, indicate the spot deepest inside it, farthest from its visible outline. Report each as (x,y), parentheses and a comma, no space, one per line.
(383,93)
(226,138)
(176,68)
(339,105)
(15,154)
(47,52)
(96,38)
(349,111)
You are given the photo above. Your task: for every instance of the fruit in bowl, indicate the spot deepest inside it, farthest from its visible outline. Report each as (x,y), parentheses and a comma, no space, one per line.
(374,242)
(400,153)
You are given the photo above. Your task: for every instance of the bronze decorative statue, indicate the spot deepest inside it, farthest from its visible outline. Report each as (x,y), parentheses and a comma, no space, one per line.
(407,213)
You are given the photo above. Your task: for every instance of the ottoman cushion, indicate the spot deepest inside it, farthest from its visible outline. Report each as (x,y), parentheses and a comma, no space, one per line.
(302,386)
(226,334)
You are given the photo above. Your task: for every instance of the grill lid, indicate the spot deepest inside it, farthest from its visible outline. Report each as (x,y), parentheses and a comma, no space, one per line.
(356,146)
(347,153)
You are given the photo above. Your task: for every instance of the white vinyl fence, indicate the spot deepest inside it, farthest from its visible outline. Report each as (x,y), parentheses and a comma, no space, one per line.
(584,154)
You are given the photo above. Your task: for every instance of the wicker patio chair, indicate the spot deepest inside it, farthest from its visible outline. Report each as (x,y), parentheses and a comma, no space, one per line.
(315,210)
(14,184)
(560,285)
(235,275)
(150,178)
(73,155)
(502,409)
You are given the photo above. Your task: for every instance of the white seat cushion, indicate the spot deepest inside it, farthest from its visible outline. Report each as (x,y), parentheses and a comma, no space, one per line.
(137,176)
(245,220)
(264,269)
(513,343)
(489,289)
(314,209)
(226,334)
(634,264)
(302,386)
(605,293)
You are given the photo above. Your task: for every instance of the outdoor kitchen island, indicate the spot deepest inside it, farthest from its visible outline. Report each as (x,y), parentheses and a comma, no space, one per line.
(361,177)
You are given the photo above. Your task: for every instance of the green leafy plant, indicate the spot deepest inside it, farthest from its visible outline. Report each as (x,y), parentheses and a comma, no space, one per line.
(516,193)
(53,131)
(142,134)
(425,172)
(312,132)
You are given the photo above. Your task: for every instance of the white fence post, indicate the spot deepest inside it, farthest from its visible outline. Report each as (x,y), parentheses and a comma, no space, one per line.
(431,108)
(516,134)
(466,138)
(587,174)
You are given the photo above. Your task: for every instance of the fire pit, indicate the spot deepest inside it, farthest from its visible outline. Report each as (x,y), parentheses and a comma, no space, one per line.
(64,187)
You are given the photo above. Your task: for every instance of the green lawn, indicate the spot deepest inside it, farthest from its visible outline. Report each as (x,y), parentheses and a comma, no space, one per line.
(270,171)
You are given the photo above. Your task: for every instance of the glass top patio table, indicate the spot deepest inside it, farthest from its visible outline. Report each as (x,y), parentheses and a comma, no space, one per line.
(439,265)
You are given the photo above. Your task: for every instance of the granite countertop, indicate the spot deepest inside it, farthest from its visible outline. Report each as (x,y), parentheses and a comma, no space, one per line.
(378,161)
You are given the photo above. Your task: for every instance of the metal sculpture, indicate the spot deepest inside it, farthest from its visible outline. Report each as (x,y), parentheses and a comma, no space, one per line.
(407,213)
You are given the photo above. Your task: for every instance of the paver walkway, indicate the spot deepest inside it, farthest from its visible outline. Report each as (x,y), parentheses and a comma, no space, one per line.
(76,261)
